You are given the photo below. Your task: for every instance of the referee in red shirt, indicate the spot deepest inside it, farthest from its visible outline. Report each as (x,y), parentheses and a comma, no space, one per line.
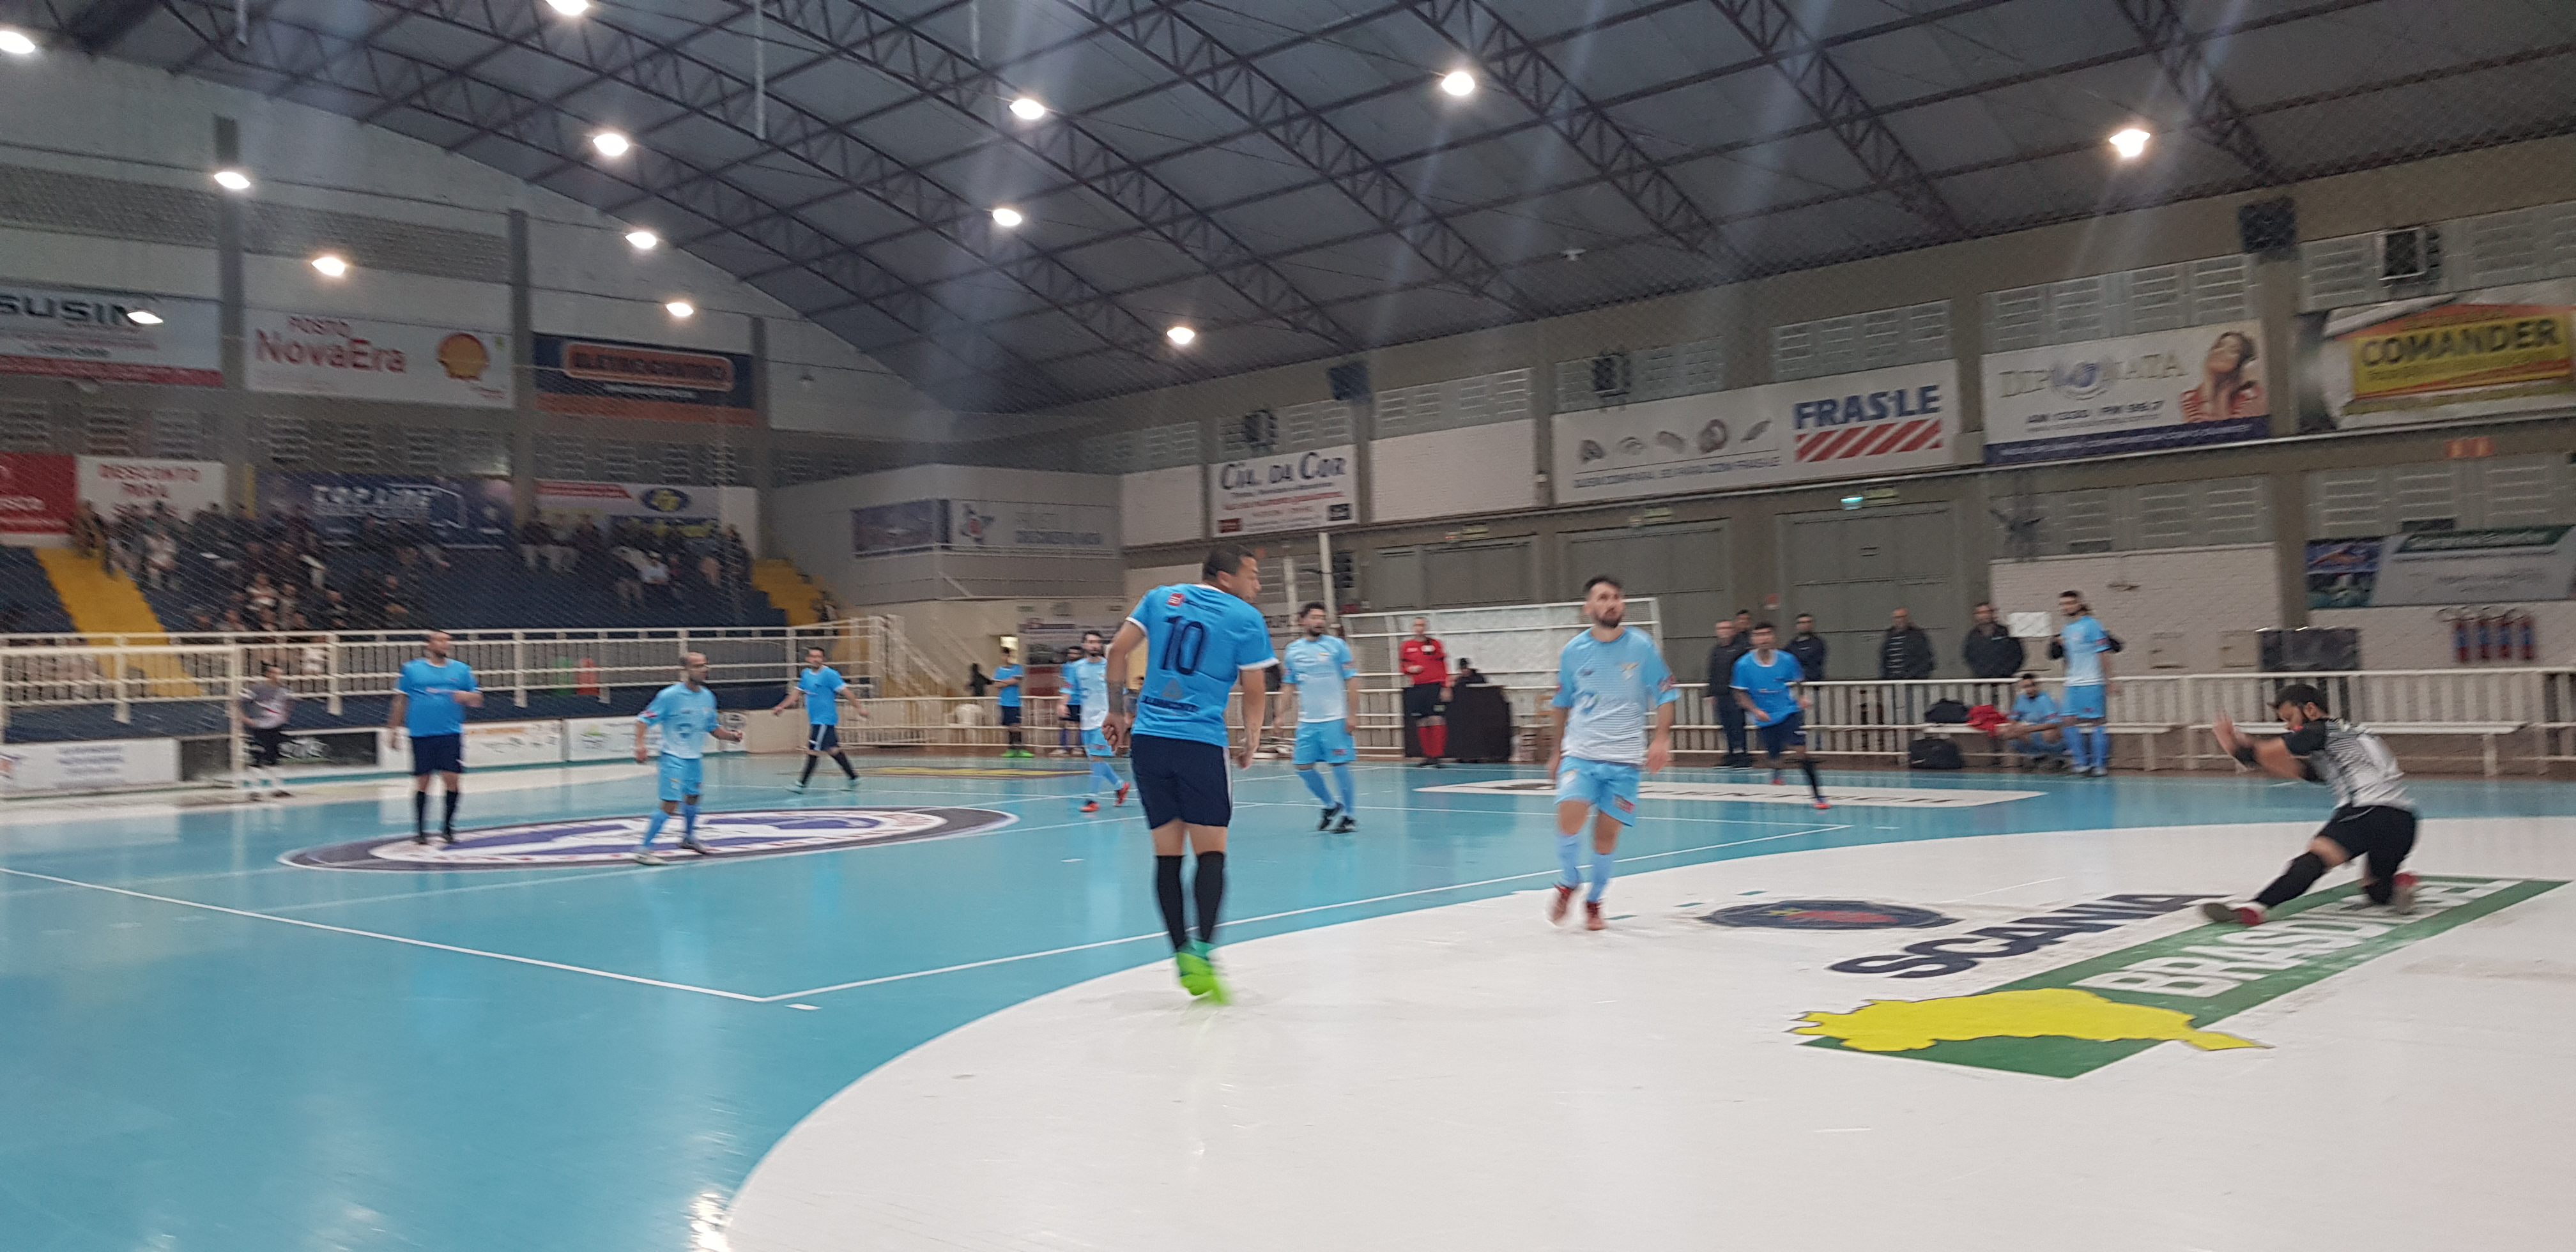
(1426,677)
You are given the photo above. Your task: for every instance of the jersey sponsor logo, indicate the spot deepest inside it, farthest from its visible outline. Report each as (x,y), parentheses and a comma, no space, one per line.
(2070,1021)
(1957,954)
(1176,599)
(612,840)
(1826,915)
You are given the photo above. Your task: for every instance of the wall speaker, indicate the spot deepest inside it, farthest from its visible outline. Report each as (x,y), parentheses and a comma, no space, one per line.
(2268,227)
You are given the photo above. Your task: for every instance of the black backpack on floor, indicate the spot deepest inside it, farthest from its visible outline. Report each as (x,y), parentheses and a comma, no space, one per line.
(1930,753)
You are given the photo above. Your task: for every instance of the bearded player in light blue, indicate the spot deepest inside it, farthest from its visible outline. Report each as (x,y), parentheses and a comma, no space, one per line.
(2088,650)
(1609,680)
(685,712)
(1319,668)
(1086,684)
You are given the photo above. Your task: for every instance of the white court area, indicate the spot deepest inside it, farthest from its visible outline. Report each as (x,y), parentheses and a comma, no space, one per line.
(1470,1077)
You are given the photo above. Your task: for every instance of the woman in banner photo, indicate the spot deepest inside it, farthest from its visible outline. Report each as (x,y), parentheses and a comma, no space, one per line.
(2228,387)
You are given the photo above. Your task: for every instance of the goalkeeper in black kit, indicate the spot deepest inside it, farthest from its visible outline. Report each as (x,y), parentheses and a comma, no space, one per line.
(2373,821)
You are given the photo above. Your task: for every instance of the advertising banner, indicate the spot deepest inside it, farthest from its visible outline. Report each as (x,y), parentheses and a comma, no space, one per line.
(37,493)
(2170,389)
(609,378)
(613,738)
(907,527)
(693,511)
(459,512)
(65,332)
(2481,353)
(312,354)
(1877,421)
(492,744)
(1289,491)
(109,483)
(88,765)
(1000,526)
(2443,567)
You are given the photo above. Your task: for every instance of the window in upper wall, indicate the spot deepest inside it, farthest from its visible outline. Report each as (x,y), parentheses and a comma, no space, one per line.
(2211,513)
(2128,302)
(2435,258)
(2485,494)
(1135,451)
(1861,341)
(1477,400)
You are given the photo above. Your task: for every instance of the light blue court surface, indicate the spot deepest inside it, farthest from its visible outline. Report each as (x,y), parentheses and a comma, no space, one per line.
(205,1049)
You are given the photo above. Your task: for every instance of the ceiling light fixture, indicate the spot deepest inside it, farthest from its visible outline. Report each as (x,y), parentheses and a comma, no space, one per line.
(1181,336)
(643,240)
(569,8)
(1007,218)
(610,143)
(1458,83)
(2130,143)
(232,180)
(143,317)
(681,308)
(1027,109)
(16,43)
(330,265)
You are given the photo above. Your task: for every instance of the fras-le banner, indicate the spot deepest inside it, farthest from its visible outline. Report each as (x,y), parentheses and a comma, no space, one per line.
(1843,426)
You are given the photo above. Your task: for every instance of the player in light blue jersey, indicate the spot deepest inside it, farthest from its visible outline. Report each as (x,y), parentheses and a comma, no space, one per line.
(1611,681)
(1086,684)
(685,712)
(430,699)
(1319,669)
(820,688)
(2087,648)
(1200,640)
(1768,686)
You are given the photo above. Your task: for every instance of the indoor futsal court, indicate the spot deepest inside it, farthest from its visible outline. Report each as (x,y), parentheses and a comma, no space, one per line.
(1287,625)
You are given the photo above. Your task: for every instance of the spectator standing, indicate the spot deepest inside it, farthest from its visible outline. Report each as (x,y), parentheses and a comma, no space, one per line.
(1425,663)
(976,682)
(1731,646)
(656,579)
(1904,652)
(1007,677)
(265,707)
(1808,647)
(1990,649)
(534,539)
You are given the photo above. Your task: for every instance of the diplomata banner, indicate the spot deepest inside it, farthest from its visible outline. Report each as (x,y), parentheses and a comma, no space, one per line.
(610,378)
(2170,389)
(313,354)
(67,332)
(1903,417)
(1289,491)
(2481,353)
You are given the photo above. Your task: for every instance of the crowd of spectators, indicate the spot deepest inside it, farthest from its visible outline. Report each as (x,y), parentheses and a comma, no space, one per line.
(645,562)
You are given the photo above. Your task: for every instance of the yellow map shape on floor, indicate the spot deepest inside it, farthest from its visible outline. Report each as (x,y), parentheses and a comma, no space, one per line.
(1905,1025)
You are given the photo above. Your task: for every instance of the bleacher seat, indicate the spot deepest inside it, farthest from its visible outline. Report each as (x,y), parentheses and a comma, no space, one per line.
(487,589)
(25,587)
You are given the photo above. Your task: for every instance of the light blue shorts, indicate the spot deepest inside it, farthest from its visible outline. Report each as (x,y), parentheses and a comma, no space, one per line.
(1095,742)
(2083,704)
(683,776)
(1324,743)
(1609,787)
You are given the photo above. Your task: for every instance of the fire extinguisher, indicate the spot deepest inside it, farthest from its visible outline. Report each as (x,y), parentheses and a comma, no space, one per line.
(2527,646)
(2486,634)
(2461,637)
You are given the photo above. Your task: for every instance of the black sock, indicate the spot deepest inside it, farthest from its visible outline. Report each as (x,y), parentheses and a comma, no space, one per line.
(450,824)
(2294,882)
(1167,894)
(420,812)
(1809,766)
(2380,890)
(844,763)
(808,775)
(1210,889)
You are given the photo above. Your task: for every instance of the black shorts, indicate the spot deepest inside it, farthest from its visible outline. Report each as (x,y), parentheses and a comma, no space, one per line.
(2378,836)
(1073,715)
(822,737)
(437,754)
(266,742)
(1422,700)
(1184,780)
(1010,715)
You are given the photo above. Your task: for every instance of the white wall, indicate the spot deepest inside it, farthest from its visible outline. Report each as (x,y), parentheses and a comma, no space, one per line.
(1140,581)
(1472,469)
(812,525)
(1163,506)
(2412,637)
(2195,593)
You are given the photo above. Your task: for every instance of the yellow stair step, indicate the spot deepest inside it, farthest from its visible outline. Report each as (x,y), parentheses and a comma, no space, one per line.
(102,604)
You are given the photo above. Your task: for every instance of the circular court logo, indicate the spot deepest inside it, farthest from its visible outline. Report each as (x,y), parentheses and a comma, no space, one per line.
(611,840)
(1827,915)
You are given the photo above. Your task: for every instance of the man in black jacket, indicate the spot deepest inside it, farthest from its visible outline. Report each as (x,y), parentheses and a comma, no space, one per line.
(1721,677)
(1990,650)
(1904,652)
(1809,648)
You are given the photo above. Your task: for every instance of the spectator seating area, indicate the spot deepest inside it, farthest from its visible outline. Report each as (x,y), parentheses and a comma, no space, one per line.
(28,603)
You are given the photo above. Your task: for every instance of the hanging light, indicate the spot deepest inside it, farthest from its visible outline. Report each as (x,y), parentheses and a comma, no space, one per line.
(232,180)
(682,308)
(1028,109)
(610,143)
(569,8)
(1181,336)
(2130,143)
(143,317)
(16,43)
(643,240)
(1007,218)
(1458,83)
(330,265)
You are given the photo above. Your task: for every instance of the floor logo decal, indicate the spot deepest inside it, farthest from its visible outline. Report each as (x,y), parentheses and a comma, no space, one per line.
(1954,954)
(2074,1020)
(1757,793)
(1827,915)
(610,840)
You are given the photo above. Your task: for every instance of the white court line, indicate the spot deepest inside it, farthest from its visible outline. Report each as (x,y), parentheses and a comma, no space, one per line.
(369,934)
(1265,917)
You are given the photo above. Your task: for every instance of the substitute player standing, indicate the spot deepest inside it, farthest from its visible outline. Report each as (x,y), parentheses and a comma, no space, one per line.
(2373,821)
(686,713)
(1010,677)
(819,688)
(1770,687)
(430,699)
(1200,640)
(1319,669)
(1607,681)
(2088,676)
(1086,682)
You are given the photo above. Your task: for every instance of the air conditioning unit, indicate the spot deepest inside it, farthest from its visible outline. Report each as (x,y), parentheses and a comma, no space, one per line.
(2410,255)
(1260,430)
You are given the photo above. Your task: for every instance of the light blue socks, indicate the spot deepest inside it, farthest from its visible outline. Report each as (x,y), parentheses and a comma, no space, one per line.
(1601,863)
(1103,778)
(1314,780)
(1566,856)
(688,821)
(1350,790)
(653,830)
